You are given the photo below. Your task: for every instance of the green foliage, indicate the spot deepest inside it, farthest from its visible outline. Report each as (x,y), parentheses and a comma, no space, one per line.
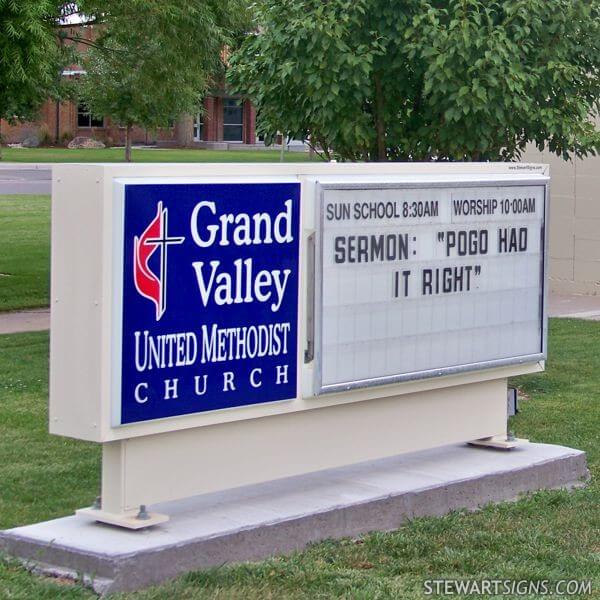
(45,137)
(65,138)
(30,56)
(148,61)
(426,79)
(153,60)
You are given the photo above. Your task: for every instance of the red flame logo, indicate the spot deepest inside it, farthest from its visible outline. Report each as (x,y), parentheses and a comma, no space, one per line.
(154,238)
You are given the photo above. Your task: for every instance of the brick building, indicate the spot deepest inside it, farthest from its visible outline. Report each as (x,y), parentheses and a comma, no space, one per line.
(225,120)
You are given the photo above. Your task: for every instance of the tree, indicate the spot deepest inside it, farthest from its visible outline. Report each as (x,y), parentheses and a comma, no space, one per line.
(426,79)
(30,57)
(153,59)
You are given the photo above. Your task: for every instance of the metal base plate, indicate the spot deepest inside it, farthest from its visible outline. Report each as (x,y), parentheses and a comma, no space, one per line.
(129,521)
(499,441)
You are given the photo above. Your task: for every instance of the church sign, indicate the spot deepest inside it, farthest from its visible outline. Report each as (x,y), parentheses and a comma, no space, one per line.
(219,325)
(207,297)
(422,280)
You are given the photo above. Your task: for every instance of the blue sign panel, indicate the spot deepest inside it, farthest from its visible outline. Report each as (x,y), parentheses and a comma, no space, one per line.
(210,297)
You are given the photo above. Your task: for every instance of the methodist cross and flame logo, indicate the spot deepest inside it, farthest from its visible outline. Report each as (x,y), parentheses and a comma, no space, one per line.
(155,238)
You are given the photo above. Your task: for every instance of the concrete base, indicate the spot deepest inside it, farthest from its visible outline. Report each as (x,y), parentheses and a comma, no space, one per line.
(255,522)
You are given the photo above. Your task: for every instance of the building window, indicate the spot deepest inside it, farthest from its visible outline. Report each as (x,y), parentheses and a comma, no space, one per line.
(233,120)
(85,118)
(198,128)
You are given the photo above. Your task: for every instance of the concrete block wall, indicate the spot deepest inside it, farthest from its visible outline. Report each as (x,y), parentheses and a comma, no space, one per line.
(574,261)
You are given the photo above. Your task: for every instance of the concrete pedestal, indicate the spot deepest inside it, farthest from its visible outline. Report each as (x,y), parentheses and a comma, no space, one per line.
(258,521)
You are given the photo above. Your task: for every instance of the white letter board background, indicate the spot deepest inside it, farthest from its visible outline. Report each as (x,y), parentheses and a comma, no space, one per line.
(367,334)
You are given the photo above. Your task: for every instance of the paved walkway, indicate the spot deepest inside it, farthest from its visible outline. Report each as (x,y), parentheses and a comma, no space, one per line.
(25,320)
(574,307)
(25,178)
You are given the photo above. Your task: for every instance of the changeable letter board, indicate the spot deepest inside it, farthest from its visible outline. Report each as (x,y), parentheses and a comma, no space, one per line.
(423,280)
(206,297)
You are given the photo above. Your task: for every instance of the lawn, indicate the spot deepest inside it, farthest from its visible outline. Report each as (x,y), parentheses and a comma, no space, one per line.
(24,251)
(54,155)
(548,535)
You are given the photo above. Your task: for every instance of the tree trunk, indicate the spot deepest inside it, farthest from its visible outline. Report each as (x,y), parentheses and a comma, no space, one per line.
(128,143)
(0,139)
(379,119)
(57,124)
(184,131)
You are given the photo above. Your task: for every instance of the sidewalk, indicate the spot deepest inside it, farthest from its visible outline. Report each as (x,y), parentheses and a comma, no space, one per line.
(573,307)
(23,166)
(35,319)
(25,178)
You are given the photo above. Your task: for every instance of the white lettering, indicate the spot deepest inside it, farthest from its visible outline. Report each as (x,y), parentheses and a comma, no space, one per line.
(263,280)
(253,383)
(138,364)
(171,389)
(166,350)
(280,287)
(235,343)
(282,374)
(138,398)
(284,218)
(241,234)
(224,220)
(243,229)
(204,289)
(213,229)
(243,287)
(223,289)
(228,381)
(197,387)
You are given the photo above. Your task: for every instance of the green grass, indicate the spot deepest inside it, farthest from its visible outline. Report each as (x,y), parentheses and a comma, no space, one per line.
(34,155)
(41,476)
(554,534)
(24,251)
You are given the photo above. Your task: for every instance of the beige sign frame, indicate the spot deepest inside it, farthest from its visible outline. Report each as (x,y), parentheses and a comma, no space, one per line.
(182,456)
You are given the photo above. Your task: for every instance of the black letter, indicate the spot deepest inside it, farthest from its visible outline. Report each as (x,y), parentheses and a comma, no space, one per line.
(340,250)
